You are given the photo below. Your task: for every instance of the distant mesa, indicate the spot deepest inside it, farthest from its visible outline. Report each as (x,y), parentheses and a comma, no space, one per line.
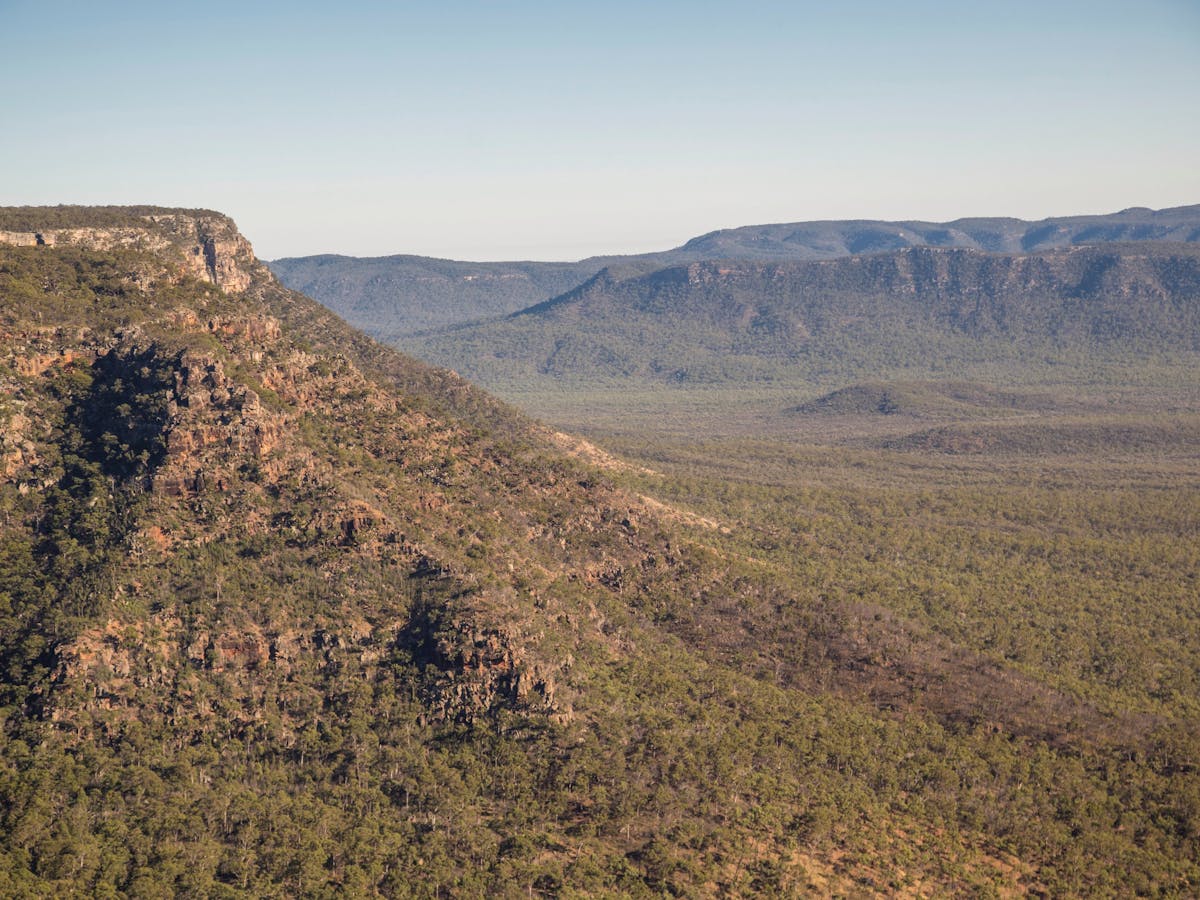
(212,248)
(394,297)
(920,314)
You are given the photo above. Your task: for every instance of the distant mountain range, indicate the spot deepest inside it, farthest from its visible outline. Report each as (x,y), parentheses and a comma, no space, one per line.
(925,312)
(828,240)
(395,297)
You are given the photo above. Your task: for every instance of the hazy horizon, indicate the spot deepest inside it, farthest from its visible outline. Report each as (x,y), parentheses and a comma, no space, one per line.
(697,234)
(543,132)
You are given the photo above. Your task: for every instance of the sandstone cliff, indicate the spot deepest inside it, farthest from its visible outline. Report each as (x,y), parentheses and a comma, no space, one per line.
(207,247)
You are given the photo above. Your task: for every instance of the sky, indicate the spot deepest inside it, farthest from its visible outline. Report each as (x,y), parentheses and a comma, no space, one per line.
(559,130)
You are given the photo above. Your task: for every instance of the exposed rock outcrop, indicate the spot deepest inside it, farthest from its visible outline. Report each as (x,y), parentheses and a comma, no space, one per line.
(209,248)
(473,669)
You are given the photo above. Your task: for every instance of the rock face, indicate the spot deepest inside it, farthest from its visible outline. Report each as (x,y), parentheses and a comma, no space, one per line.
(476,667)
(395,297)
(856,317)
(19,238)
(209,412)
(210,248)
(205,424)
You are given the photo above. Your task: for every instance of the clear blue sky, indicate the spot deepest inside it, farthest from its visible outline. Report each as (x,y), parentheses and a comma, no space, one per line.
(556,130)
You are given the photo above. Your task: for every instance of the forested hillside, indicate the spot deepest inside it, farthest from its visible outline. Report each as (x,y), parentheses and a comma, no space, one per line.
(910,313)
(285,613)
(393,296)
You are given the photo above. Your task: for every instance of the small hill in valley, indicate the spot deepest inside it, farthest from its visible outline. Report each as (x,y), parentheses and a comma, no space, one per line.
(925,399)
(1094,435)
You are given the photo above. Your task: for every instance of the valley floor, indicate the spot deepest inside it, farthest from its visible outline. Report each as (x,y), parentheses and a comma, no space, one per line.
(1023,560)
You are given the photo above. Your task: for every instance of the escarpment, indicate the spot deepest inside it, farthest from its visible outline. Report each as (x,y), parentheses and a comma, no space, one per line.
(216,483)
(266,511)
(207,247)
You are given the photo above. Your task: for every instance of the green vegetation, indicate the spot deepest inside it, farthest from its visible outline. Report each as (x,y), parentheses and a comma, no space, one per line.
(46,218)
(1073,565)
(1061,546)
(1081,316)
(284,613)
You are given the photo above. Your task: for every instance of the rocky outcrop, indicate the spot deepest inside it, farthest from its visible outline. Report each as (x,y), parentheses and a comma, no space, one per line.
(122,662)
(215,250)
(19,238)
(214,445)
(17,451)
(209,248)
(473,670)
